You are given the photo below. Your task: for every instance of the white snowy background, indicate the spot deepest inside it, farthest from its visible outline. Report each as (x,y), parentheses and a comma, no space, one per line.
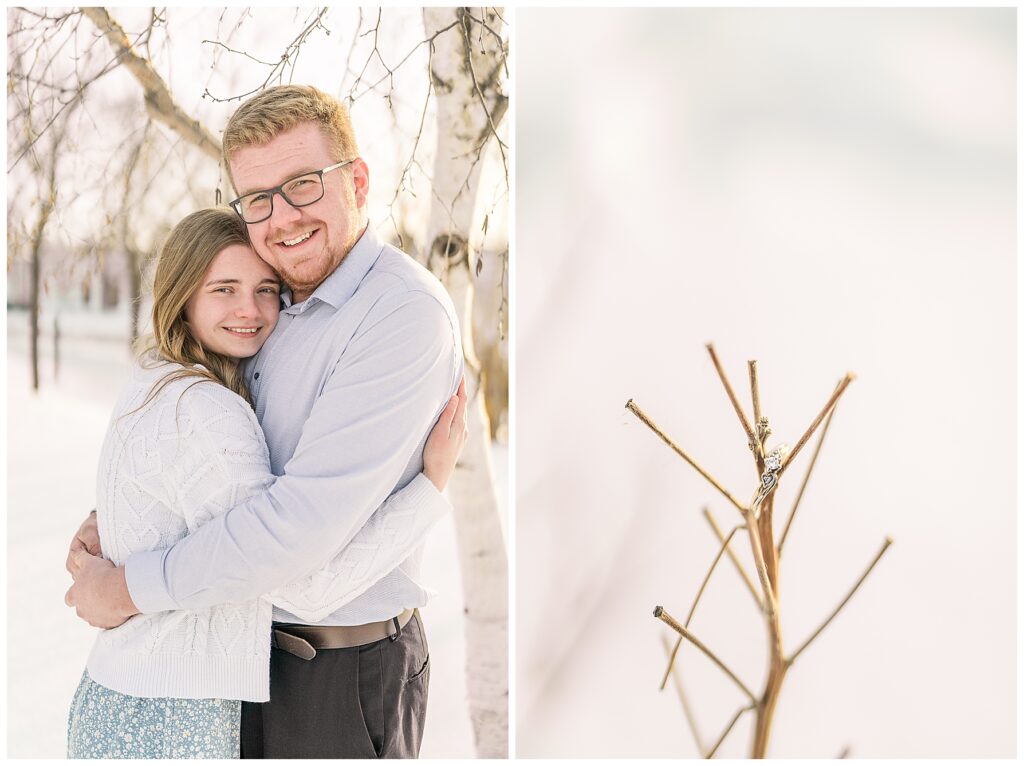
(822,190)
(54,440)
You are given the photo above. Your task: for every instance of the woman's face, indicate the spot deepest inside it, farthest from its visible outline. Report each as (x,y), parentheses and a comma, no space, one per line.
(235,307)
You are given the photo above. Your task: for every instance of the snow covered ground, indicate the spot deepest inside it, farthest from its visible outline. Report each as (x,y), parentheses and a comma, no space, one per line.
(54,439)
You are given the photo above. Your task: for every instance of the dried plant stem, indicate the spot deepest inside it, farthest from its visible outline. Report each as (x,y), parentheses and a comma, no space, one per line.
(777,667)
(635,409)
(665,617)
(767,532)
(721,739)
(739,567)
(766,707)
(770,607)
(707,577)
(817,421)
(807,476)
(755,397)
(805,644)
(703,585)
(757,518)
(751,436)
(766,529)
(687,710)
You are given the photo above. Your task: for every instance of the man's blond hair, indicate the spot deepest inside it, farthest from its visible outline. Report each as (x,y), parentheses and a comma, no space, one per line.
(275,110)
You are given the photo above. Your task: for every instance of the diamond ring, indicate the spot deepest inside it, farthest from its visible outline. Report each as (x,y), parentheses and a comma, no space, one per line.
(770,477)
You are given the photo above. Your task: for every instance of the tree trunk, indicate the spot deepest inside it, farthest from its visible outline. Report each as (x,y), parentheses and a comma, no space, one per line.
(135,265)
(490,308)
(56,347)
(33,316)
(37,268)
(134,259)
(469,106)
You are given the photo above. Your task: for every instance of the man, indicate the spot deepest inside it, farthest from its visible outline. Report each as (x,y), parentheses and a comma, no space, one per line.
(365,355)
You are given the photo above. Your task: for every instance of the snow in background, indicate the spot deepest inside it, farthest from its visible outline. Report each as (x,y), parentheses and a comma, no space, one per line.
(54,440)
(822,190)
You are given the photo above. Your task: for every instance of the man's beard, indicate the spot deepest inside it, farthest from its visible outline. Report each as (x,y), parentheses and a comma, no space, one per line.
(306,280)
(328,262)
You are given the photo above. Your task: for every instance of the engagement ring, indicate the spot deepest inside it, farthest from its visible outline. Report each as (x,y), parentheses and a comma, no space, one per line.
(770,477)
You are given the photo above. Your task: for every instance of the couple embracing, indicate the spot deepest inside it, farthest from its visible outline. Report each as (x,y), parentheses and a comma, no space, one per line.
(269,474)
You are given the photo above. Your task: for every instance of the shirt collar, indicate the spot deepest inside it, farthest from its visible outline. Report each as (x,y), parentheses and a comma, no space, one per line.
(341,283)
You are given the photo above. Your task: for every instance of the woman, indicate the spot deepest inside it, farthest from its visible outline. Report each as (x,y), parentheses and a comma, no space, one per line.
(184,446)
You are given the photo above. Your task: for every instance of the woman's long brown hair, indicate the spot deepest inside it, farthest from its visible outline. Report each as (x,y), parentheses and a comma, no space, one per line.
(184,259)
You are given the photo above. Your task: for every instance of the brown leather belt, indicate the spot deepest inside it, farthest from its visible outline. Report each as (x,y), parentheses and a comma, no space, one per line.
(304,640)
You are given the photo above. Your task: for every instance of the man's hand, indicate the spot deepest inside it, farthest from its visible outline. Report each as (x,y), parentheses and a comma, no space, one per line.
(100,593)
(86,539)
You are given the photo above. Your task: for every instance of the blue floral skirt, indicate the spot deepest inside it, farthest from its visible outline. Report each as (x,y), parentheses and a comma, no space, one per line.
(106,724)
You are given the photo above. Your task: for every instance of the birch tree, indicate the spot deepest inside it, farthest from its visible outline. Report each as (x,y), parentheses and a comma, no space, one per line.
(466,71)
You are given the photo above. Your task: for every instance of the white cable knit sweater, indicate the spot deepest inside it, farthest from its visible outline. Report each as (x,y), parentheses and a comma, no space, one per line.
(193,453)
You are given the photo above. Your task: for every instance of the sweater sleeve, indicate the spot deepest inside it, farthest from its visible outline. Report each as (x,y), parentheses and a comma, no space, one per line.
(233,465)
(382,544)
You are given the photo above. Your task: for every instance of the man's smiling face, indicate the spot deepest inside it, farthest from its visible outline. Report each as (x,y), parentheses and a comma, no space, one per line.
(305,245)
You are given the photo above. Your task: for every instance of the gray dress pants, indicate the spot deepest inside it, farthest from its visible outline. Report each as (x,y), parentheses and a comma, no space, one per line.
(367,701)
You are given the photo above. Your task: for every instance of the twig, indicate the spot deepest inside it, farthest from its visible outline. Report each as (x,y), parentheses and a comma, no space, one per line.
(721,739)
(632,407)
(241,53)
(687,710)
(739,567)
(755,396)
(805,644)
(665,617)
(707,577)
(412,157)
(290,56)
(770,607)
(351,52)
(764,514)
(732,395)
(700,592)
(817,421)
(391,70)
(807,476)
(479,93)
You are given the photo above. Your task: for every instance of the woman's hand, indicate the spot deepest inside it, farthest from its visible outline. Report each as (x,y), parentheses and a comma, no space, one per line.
(86,539)
(445,443)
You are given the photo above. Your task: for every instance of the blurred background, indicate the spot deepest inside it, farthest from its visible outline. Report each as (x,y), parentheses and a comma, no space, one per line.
(822,190)
(114,124)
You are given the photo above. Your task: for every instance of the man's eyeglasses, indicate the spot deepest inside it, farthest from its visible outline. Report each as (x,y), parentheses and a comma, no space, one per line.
(298,192)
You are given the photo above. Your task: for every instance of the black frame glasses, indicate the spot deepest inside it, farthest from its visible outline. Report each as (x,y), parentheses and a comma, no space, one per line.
(237,204)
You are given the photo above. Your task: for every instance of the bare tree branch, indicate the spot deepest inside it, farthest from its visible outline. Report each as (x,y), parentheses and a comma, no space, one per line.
(288,57)
(815,634)
(501,103)
(665,617)
(684,700)
(158,99)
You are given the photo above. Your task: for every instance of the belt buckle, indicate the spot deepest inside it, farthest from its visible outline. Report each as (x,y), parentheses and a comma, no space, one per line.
(300,647)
